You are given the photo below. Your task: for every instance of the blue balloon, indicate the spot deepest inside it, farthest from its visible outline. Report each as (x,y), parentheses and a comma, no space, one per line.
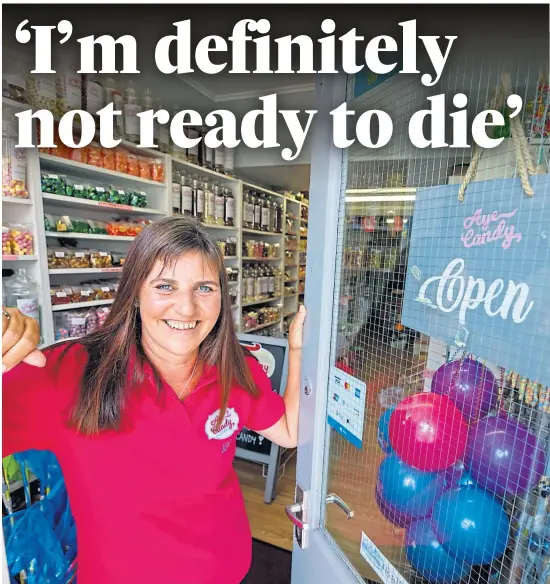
(410,491)
(427,556)
(471,525)
(384,430)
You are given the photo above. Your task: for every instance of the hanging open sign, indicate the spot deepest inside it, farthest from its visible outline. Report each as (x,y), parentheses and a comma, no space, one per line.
(478,275)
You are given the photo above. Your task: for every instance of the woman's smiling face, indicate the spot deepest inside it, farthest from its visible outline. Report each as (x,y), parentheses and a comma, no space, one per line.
(179,305)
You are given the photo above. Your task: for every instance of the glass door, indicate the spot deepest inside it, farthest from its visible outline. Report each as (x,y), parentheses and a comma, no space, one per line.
(358,282)
(373,502)
(374,358)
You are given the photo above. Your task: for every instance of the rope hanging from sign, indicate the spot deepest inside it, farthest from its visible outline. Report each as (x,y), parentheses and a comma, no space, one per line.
(525,164)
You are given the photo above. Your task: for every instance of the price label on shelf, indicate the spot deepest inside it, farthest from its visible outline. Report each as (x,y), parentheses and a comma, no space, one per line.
(116,206)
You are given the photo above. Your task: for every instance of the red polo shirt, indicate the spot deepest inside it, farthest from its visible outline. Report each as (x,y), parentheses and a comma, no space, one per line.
(158,501)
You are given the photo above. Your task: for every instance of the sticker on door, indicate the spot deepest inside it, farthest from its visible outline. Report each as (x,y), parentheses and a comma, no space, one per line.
(379,563)
(346,407)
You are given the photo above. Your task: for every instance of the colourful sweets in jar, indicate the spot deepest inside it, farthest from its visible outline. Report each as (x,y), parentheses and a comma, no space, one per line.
(15,188)
(143,168)
(132,166)
(102,314)
(61,332)
(108,158)
(21,240)
(77,323)
(79,155)
(94,154)
(121,160)
(156,170)
(92,322)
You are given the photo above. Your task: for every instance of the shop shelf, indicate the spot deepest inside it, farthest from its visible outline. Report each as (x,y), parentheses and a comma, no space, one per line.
(87,171)
(65,271)
(19,258)
(71,235)
(262,326)
(72,202)
(72,306)
(16,201)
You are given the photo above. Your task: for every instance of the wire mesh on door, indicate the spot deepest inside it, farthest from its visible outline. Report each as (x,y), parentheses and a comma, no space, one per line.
(478,510)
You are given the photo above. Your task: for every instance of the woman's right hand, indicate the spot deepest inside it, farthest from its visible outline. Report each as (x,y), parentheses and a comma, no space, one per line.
(20,337)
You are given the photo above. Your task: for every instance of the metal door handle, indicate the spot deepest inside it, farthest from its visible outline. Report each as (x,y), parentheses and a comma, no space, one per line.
(332,498)
(291,511)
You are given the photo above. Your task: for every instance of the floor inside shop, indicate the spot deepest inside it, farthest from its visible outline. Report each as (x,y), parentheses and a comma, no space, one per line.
(269,523)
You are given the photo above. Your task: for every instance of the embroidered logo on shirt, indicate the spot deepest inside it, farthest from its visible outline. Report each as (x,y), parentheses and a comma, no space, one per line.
(227,428)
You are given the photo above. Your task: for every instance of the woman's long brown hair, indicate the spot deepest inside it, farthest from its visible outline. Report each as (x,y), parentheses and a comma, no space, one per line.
(103,390)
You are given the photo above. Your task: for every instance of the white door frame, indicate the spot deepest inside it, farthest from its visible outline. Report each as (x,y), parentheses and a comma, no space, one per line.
(320,562)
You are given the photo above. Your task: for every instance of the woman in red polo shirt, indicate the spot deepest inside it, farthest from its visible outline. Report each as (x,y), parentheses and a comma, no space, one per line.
(143,416)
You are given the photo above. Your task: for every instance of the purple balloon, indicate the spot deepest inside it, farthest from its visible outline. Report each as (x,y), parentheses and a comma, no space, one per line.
(390,512)
(470,385)
(503,456)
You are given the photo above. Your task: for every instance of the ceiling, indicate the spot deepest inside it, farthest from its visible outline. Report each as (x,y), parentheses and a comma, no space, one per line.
(226,87)
(290,177)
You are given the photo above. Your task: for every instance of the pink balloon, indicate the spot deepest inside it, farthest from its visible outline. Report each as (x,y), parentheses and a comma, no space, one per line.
(428,432)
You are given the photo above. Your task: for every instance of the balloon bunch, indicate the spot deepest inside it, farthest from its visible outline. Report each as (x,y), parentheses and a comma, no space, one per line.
(448,458)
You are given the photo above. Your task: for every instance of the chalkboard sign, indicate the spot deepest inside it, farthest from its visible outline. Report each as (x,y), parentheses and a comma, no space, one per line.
(271,353)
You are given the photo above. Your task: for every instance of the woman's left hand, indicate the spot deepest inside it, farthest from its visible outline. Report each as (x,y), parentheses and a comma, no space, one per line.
(295,333)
